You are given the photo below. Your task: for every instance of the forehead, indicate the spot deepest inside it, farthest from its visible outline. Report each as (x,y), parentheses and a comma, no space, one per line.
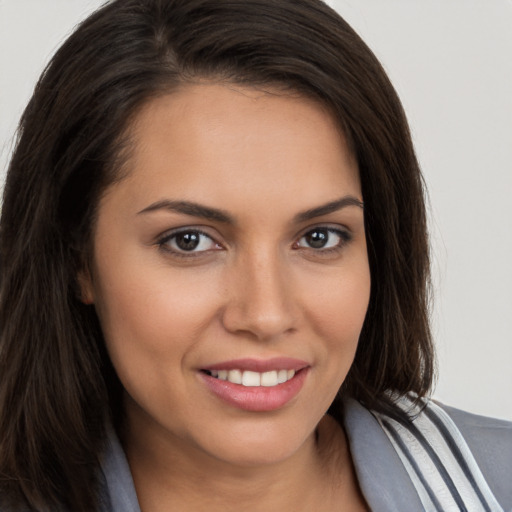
(212,142)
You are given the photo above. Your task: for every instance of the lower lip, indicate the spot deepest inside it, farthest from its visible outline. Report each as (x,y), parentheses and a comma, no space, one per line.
(256,398)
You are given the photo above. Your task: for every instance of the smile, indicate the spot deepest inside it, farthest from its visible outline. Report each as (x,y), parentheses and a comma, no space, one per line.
(255,385)
(254,379)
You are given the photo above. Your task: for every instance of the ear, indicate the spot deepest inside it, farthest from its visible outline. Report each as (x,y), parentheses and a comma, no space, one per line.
(85,287)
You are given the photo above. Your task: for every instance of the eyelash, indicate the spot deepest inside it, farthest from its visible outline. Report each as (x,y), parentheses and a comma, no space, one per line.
(163,243)
(345,237)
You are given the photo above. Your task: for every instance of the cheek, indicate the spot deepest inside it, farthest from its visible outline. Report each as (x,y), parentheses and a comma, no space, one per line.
(338,309)
(152,323)
(153,314)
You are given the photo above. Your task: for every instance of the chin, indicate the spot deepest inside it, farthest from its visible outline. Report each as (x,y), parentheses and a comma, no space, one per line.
(258,443)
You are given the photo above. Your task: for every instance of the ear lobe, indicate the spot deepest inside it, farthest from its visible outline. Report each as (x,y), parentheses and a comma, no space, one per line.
(85,287)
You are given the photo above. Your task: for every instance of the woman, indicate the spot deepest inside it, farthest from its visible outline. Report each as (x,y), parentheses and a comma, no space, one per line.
(214,222)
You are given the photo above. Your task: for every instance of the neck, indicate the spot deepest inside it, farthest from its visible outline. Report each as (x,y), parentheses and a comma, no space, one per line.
(170,474)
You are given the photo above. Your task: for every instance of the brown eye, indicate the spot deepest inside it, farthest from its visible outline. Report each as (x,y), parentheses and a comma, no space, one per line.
(187,241)
(190,241)
(317,239)
(323,238)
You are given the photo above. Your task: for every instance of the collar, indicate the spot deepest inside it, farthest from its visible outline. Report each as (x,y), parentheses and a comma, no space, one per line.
(382,477)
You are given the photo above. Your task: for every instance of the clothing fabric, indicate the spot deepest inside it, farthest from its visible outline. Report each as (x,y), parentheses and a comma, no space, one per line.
(428,464)
(439,460)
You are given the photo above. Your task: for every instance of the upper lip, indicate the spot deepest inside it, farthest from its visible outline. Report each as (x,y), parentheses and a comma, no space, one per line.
(259,365)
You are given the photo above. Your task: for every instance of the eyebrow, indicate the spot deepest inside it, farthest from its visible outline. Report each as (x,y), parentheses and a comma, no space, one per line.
(192,209)
(330,207)
(215,214)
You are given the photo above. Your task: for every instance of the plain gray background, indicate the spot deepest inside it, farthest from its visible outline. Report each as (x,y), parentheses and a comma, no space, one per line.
(451,62)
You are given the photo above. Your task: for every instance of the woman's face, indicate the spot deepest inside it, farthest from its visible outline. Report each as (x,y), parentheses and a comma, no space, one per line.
(230,271)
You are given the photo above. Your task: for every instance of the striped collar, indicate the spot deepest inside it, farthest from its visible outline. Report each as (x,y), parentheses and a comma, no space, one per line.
(423,464)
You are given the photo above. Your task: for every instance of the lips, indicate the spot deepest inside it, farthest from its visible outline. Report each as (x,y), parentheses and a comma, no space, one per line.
(256,385)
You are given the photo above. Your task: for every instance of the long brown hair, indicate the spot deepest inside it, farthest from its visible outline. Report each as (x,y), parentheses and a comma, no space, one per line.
(58,389)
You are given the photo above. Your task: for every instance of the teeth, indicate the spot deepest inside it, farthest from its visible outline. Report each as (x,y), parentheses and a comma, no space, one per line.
(254,379)
(269,379)
(235,376)
(251,378)
(282,376)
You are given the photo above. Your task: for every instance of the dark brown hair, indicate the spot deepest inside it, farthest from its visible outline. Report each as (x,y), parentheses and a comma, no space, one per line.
(58,390)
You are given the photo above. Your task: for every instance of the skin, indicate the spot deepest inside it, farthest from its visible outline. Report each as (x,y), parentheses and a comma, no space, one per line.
(253,288)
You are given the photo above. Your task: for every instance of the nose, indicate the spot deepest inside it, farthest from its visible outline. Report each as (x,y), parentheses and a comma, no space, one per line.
(261,302)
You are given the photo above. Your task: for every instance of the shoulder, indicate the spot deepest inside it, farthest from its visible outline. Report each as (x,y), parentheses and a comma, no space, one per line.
(490,442)
(482,432)
(455,459)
